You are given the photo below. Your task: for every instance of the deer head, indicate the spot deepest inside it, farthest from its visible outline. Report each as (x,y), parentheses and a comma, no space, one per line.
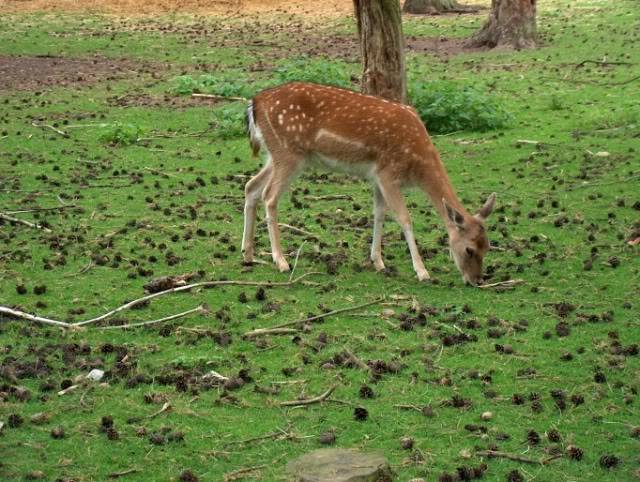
(468,242)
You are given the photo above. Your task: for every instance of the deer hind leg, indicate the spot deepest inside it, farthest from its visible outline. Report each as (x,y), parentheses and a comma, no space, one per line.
(252,192)
(283,173)
(395,201)
(379,209)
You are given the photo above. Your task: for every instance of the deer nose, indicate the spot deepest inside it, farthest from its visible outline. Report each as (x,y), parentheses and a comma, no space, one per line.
(472,282)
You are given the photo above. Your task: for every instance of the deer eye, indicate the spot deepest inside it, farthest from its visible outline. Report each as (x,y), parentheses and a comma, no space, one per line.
(470,252)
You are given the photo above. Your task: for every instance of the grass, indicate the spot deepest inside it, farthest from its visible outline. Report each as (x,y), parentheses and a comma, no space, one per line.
(170,202)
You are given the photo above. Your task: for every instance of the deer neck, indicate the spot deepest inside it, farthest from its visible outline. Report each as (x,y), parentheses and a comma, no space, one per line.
(437,186)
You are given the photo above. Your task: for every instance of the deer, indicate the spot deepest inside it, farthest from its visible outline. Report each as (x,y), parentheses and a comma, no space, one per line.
(302,124)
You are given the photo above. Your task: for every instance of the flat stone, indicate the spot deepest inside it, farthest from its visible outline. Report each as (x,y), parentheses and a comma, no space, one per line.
(340,465)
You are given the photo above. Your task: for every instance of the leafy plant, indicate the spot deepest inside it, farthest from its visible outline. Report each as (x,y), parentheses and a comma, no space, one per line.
(323,71)
(185,85)
(447,107)
(230,120)
(121,134)
(226,84)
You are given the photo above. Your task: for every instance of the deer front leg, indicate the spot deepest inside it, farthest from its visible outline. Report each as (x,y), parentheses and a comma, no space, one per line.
(271,195)
(379,208)
(393,197)
(252,192)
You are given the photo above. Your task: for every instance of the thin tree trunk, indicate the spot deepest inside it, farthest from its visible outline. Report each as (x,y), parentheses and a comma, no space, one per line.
(382,48)
(511,23)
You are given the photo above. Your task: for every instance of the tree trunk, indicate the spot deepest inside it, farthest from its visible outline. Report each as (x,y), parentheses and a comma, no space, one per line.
(382,48)
(431,6)
(511,23)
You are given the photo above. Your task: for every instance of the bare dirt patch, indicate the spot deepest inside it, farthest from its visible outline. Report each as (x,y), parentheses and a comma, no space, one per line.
(324,8)
(41,72)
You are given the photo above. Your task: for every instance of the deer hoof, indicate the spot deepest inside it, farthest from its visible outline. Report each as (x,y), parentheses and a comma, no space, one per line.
(378,264)
(282,265)
(423,275)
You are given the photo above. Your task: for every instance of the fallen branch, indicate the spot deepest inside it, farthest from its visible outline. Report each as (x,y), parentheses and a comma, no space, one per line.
(22,221)
(198,309)
(236,474)
(508,283)
(219,97)
(201,284)
(309,401)
(298,231)
(47,126)
(280,434)
(597,62)
(115,475)
(330,197)
(166,407)
(263,331)
(26,316)
(272,331)
(356,361)
(516,457)
(36,210)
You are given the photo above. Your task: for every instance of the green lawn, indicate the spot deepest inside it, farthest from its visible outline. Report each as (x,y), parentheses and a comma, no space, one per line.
(557,353)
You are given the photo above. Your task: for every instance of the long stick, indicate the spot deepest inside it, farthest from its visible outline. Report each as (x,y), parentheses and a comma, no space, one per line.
(199,309)
(48,321)
(27,316)
(309,401)
(514,457)
(47,126)
(262,331)
(26,223)
(191,286)
(219,97)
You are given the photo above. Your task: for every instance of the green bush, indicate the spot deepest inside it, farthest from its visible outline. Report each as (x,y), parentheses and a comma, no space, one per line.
(229,120)
(321,71)
(227,84)
(446,107)
(120,134)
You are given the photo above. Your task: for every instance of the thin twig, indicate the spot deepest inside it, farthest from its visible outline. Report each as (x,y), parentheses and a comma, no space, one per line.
(356,360)
(115,475)
(298,231)
(198,309)
(309,401)
(261,331)
(35,210)
(330,197)
(220,97)
(27,316)
(274,331)
(47,126)
(280,434)
(231,476)
(295,262)
(511,282)
(165,407)
(22,221)
(515,457)
(596,62)
(202,284)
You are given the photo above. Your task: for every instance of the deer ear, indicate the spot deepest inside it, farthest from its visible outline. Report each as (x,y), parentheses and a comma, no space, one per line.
(485,211)
(453,216)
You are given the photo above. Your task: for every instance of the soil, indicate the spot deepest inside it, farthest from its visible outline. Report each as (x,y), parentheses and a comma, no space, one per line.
(325,8)
(41,72)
